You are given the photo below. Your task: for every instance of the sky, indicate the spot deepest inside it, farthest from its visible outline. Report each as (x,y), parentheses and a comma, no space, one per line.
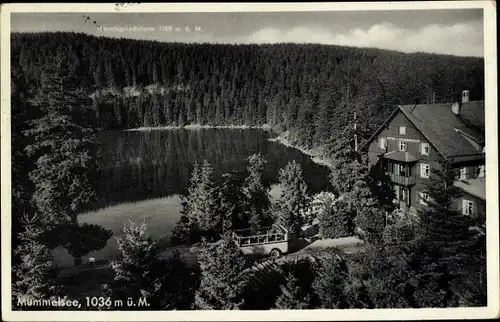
(451,31)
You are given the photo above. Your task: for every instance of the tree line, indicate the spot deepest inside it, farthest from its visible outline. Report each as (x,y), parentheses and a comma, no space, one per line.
(59,101)
(309,90)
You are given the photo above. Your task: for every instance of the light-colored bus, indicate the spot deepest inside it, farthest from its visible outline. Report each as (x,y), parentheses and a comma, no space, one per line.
(266,241)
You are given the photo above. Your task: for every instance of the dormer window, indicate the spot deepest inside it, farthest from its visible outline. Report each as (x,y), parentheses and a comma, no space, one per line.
(402,130)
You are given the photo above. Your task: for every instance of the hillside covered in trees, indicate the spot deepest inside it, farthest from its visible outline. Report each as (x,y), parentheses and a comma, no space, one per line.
(67,86)
(309,90)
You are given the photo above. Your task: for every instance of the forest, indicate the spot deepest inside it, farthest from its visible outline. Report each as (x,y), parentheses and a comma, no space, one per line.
(310,90)
(68,86)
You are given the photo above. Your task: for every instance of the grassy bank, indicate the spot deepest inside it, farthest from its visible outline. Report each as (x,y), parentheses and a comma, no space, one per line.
(159,214)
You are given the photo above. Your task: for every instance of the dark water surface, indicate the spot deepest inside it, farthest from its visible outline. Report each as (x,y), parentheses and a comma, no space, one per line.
(140,165)
(143,174)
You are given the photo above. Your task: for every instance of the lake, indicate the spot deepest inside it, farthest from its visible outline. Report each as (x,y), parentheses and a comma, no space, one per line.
(143,174)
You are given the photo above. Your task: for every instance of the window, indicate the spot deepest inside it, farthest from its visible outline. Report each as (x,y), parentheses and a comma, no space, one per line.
(402,130)
(425,148)
(402,146)
(468,207)
(463,173)
(404,196)
(480,171)
(424,198)
(425,170)
(383,143)
(396,191)
(401,170)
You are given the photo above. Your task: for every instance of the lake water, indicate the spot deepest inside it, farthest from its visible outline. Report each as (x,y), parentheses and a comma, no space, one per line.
(144,172)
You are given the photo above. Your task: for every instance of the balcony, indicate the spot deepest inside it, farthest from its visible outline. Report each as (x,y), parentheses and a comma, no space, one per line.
(402,180)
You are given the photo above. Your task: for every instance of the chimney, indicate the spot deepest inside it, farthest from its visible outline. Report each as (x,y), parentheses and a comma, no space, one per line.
(465,96)
(457,106)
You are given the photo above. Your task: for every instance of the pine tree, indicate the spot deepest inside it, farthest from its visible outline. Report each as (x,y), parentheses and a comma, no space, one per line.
(292,295)
(346,167)
(203,207)
(455,244)
(219,112)
(133,270)
(154,76)
(290,114)
(383,273)
(337,219)
(167,109)
(256,194)
(329,283)
(155,111)
(381,187)
(440,222)
(199,207)
(99,74)
(223,280)
(33,276)
(229,203)
(167,284)
(350,178)
(22,187)
(305,124)
(63,149)
(179,285)
(110,75)
(323,119)
(294,198)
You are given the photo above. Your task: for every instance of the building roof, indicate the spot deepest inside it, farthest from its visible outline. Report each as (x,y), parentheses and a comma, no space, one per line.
(458,136)
(472,115)
(475,187)
(445,130)
(400,156)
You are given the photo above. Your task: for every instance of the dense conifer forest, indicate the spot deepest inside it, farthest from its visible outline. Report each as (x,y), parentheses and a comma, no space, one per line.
(310,90)
(68,86)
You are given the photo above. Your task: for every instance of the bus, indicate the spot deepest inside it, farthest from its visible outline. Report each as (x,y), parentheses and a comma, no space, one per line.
(271,241)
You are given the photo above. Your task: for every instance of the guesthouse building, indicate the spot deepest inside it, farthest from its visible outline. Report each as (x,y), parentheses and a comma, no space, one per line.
(410,143)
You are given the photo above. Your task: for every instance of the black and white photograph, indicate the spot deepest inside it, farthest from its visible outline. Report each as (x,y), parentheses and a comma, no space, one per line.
(294,161)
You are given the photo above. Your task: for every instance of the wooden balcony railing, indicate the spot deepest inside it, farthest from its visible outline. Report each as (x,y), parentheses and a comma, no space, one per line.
(402,180)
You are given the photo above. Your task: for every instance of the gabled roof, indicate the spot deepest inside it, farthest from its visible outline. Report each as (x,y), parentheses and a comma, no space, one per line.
(380,129)
(475,187)
(437,123)
(472,115)
(450,134)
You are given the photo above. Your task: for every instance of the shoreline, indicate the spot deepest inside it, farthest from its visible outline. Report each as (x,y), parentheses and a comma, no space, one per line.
(314,154)
(264,127)
(282,138)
